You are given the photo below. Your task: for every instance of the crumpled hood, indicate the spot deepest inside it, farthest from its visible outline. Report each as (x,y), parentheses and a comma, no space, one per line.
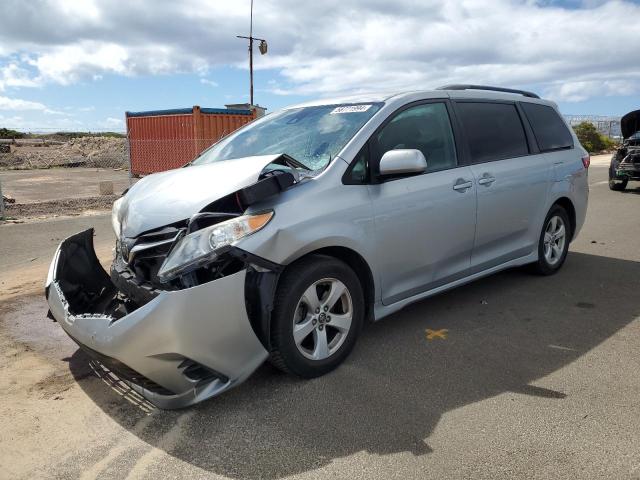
(164,198)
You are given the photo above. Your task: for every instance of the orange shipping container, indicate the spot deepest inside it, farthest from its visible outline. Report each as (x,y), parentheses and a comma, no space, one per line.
(164,139)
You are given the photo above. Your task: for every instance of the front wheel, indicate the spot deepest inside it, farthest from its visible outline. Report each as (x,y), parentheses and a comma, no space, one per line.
(553,243)
(617,185)
(318,313)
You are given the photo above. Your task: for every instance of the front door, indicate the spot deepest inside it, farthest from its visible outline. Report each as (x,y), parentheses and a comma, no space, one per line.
(424,224)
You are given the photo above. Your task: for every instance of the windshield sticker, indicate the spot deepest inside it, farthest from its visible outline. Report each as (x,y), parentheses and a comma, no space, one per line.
(350,109)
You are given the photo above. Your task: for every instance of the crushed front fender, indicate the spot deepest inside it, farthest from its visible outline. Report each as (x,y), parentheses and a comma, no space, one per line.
(178,349)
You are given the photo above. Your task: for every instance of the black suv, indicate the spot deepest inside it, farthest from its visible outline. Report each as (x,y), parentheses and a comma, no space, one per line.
(625,163)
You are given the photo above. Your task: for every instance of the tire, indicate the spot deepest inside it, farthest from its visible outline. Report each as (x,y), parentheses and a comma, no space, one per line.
(614,183)
(305,354)
(617,185)
(552,247)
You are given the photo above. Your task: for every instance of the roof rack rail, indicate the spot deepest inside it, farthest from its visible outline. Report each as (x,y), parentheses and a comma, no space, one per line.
(484,87)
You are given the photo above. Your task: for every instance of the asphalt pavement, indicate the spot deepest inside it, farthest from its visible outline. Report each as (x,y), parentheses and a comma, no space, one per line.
(513,376)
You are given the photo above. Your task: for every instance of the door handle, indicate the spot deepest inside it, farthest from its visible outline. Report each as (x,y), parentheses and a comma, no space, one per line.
(486,180)
(462,185)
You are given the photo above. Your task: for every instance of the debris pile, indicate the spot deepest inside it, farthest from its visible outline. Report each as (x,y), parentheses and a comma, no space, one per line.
(99,152)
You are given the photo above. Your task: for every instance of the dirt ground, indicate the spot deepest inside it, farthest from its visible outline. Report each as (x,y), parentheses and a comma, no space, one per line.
(536,378)
(60,192)
(33,186)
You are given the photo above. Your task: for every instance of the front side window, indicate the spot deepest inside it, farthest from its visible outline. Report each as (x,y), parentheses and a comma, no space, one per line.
(311,135)
(494,130)
(550,131)
(424,127)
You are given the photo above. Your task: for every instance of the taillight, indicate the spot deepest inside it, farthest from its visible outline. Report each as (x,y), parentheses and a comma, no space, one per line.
(586,160)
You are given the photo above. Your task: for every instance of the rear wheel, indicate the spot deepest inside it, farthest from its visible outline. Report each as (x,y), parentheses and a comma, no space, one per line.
(553,243)
(318,313)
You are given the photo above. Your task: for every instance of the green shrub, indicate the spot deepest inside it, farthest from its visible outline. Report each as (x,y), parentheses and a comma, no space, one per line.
(592,140)
(7,133)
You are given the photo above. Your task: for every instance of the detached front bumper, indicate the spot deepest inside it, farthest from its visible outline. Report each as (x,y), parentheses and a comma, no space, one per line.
(178,349)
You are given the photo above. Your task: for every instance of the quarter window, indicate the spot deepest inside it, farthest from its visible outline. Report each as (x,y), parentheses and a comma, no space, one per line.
(493,130)
(424,127)
(550,131)
(358,173)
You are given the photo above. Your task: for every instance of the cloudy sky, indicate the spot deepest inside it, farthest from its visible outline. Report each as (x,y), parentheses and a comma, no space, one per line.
(80,64)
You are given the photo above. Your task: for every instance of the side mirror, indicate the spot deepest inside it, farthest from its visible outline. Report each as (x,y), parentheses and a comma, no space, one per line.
(400,161)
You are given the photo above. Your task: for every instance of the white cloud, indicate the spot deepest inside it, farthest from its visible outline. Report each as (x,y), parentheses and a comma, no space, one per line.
(69,63)
(17,104)
(206,81)
(578,91)
(12,75)
(114,122)
(26,124)
(333,47)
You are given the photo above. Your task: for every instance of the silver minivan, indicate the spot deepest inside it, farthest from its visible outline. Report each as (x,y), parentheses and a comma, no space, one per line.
(281,240)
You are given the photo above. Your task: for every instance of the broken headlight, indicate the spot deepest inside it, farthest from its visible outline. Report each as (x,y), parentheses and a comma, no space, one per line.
(199,248)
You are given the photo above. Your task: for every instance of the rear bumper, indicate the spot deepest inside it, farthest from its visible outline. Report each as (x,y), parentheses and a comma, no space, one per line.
(178,349)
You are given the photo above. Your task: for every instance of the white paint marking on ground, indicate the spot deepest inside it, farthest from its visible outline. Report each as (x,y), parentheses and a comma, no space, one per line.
(166,443)
(118,449)
(560,347)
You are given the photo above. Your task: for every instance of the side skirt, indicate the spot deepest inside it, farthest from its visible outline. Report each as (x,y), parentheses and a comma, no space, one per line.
(381,311)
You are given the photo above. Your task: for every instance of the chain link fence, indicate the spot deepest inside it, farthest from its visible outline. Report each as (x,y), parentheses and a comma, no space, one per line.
(606,125)
(86,151)
(141,157)
(158,155)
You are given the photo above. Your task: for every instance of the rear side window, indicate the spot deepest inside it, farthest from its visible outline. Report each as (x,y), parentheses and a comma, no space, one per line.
(494,130)
(550,131)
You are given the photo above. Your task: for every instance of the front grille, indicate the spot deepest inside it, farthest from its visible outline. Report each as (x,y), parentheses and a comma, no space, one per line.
(136,289)
(124,372)
(144,255)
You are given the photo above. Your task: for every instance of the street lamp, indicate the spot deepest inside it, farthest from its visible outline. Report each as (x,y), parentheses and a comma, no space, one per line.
(263,50)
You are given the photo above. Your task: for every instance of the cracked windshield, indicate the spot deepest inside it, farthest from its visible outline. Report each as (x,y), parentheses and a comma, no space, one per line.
(311,135)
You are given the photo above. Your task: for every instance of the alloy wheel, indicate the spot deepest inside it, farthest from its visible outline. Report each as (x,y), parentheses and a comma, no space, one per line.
(555,237)
(322,319)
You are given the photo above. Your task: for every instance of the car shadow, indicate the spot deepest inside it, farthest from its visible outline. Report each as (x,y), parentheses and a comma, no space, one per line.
(503,334)
(632,189)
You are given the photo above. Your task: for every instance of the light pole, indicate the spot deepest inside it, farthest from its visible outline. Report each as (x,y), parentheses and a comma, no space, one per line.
(262,47)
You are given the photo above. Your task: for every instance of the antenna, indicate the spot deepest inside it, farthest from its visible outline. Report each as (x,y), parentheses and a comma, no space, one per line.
(263,50)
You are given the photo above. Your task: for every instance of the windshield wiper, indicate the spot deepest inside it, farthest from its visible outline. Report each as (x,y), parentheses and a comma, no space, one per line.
(292,162)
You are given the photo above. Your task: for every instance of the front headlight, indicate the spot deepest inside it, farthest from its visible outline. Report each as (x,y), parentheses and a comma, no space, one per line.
(115,221)
(201,247)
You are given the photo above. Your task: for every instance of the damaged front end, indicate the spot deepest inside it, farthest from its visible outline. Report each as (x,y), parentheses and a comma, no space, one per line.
(180,337)
(178,348)
(626,163)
